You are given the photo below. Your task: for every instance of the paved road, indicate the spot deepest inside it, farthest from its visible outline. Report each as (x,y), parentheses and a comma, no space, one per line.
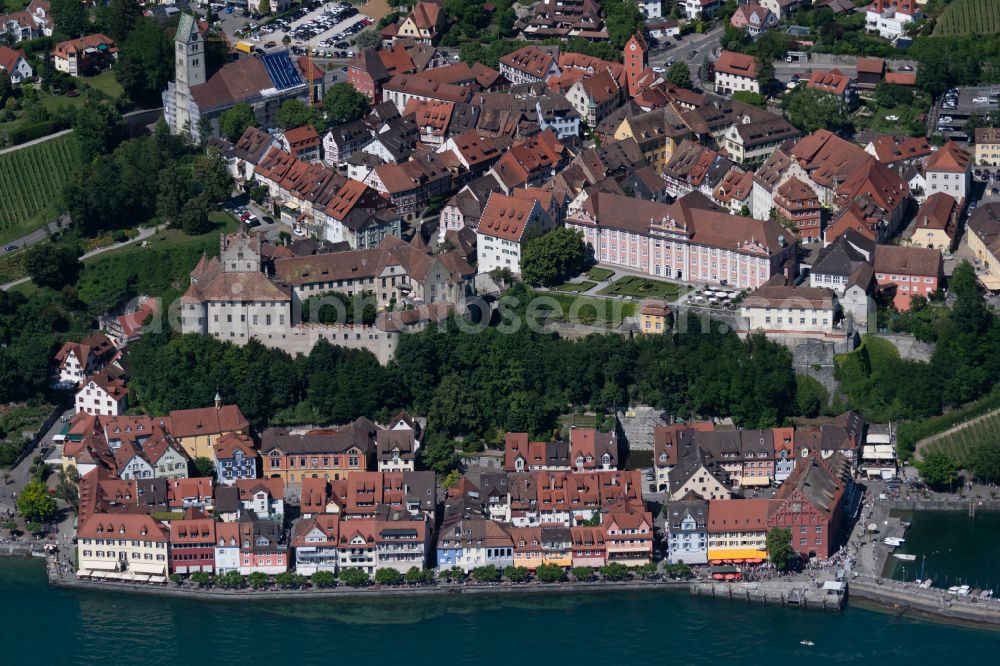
(34,141)
(144,233)
(691,49)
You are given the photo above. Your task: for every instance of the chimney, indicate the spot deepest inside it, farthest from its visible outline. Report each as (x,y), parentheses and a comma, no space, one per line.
(218,401)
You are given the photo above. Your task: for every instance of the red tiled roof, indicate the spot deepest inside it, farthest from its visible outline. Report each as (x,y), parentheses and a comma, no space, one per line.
(506,217)
(950,158)
(738,64)
(834,82)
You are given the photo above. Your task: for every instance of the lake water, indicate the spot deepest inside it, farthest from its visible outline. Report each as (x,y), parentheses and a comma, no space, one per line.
(47,625)
(958,549)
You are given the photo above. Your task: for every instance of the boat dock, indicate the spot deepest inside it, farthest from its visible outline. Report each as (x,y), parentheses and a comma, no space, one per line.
(828,595)
(911,599)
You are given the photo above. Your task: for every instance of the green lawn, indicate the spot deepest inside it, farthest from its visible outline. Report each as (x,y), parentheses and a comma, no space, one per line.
(31,182)
(640,287)
(106,83)
(575,287)
(599,274)
(593,311)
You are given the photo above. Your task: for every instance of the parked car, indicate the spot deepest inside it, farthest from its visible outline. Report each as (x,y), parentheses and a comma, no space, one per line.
(892,118)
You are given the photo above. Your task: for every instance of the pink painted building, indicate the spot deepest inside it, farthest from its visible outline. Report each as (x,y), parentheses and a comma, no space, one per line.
(912,271)
(692,239)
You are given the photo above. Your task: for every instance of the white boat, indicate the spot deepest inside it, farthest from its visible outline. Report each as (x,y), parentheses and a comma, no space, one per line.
(905,557)
(964,590)
(953,588)
(893,541)
(927,583)
(810,643)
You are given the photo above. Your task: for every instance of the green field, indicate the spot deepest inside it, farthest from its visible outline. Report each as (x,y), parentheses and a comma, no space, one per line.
(961,445)
(969,17)
(640,287)
(31,183)
(587,310)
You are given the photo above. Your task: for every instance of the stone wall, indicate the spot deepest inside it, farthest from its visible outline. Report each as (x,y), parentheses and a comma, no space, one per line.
(909,347)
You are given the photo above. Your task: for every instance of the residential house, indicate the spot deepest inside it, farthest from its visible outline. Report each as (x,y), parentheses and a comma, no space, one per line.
(530,162)
(193,542)
(471,542)
(653,316)
(783,8)
(699,9)
(227,547)
(891,149)
(424,24)
(687,530)
(166,455)
(32,22)
(753,18)
(262,548)
(987,148)
(628,537)
(15,65)
(530,64)
(983,238)
(949,170)
(316,542)
(85,56)
(908,272)
(936,224)
(303,143)
(798,203)
(344,140)
(502,230)
(735,191)
(396,449)
(737,530)
(658,132)
(293,456)
(833,82)
(891,18)
(595,97)
(102,393)
(752,141)
(589,547)
(78,359)
(871,71)
(128,545)
(735,72)
(193,492)
(250,149)
(520,455)
(696,471)
(590,450)
(198,429)
(235,458)
(840,260)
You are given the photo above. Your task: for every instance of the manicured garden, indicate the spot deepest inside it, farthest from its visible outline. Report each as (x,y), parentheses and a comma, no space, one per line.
(31,182)
(640,287)
(575,287)
(592,311)
(599,274)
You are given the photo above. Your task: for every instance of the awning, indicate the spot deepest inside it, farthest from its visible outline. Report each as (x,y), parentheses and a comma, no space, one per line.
(157,579)
(83,573)
(755,481)
(735,554)
(113,575)
(102,566)
(140,567)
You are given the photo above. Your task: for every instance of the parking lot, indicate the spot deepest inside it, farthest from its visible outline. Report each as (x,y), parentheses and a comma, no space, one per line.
(326,29)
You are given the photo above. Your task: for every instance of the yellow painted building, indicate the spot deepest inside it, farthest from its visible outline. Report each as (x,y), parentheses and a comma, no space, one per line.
(122,546)
(658,134)
(987,146)
(197,430)
(983,238)
(653,317)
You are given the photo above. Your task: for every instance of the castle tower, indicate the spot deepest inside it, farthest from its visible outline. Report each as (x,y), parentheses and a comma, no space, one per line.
(635,62)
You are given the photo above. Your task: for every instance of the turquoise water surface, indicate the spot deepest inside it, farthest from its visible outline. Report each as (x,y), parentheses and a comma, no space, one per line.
(46,625)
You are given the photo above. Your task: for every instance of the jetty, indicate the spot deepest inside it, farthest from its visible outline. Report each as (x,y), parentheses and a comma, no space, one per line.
(815,595)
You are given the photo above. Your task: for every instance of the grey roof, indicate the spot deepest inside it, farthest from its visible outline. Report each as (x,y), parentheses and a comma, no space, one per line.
(839,258)
(227,499)
(678,511)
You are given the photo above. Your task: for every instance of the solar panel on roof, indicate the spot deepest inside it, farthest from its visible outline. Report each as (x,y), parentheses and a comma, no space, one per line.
(282,70)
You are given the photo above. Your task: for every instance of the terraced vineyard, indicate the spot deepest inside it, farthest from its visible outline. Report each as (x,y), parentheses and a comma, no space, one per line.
(31,182)
(968,17)
(960,445)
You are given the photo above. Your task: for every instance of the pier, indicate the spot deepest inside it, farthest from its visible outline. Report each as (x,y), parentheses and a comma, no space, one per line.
(828,596)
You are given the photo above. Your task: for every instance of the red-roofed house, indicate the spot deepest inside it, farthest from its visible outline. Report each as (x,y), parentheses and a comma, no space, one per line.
(735,72)
(192,543)
(85,56)
(78,359)
(133,543)
(754,18)
(628,537)
(890,149)
(502,228)
(936,223)
(798,203)
(890,18)
(303,143)
(595,97)
(424,24)
(103,393)
(834,82)
(531,162)
(912,271)
(14,64)
(948,170)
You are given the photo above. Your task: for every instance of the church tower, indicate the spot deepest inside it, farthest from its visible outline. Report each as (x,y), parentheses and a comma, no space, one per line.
(635,62)
(189,44)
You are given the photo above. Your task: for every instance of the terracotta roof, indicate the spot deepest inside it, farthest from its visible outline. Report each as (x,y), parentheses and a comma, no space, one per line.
(738,64)
(794,189)
(421,86)
(206,421)
(871,66)
(902,260)
(834,82)
(506,217)
(129,527)
(889,149)
(425,15)
(226,445)
(9,58)
(601,87)
(950,157)
(988,135)
(938,212)
(739,515)
(736,185)
(71,47)
(532,60)
(788,296)
(901,78)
